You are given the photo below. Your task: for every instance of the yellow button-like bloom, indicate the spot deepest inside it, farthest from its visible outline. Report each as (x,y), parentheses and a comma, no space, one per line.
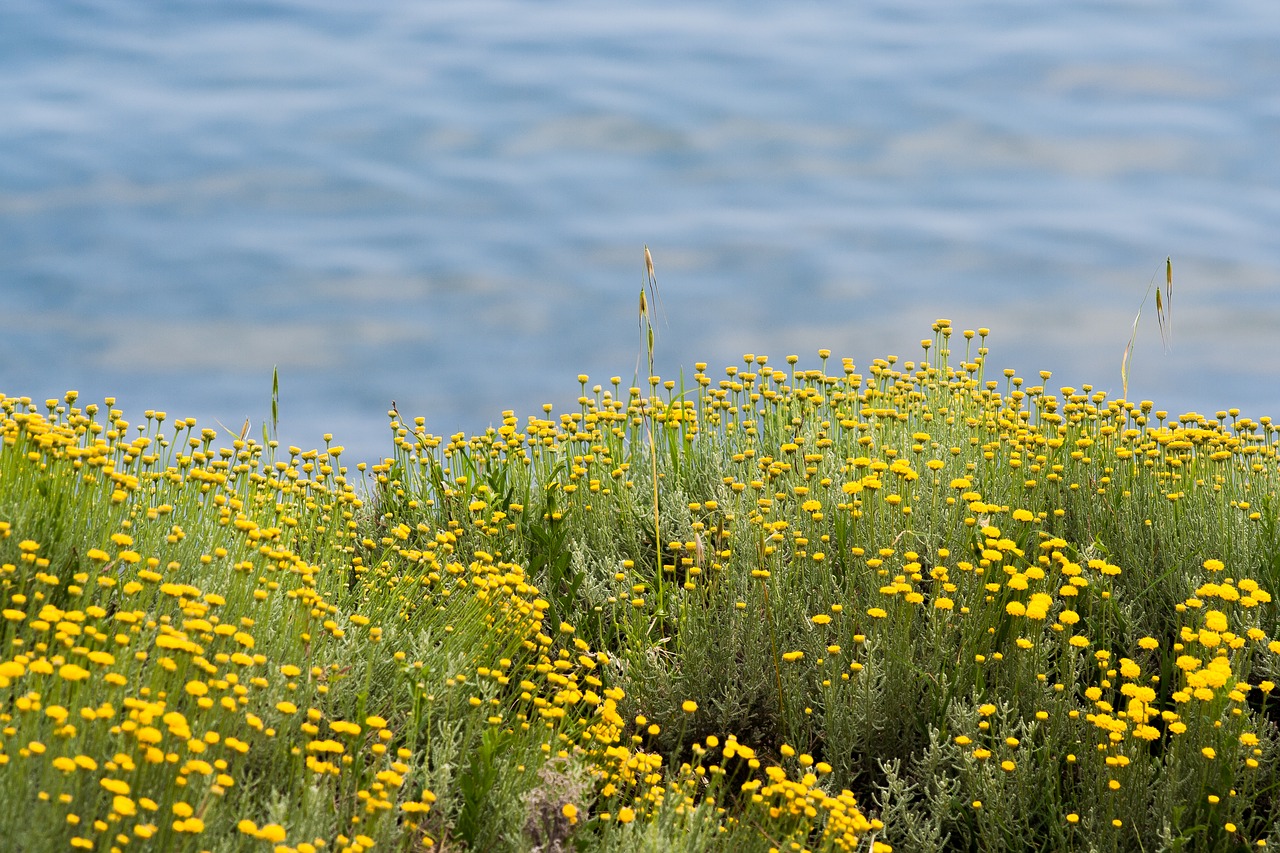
(71,672)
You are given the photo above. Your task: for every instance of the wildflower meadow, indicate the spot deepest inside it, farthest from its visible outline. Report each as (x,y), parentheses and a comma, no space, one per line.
(921,605)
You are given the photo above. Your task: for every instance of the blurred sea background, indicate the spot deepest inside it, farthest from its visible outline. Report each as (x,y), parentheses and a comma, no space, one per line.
(445,203)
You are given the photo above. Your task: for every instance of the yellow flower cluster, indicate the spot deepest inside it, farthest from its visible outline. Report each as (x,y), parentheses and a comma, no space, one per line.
(181,623)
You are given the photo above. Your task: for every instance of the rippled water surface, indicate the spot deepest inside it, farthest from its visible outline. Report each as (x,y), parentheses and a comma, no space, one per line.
(445,203)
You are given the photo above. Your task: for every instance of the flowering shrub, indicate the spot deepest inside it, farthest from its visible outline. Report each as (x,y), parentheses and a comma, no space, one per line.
(787,609)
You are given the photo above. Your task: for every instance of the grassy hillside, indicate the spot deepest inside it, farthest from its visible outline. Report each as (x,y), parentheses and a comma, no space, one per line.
(924,604)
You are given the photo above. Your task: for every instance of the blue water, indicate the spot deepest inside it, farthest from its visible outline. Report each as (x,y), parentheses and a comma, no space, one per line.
(445,204)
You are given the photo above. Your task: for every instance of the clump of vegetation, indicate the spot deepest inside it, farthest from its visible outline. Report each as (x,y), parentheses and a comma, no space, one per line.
(922,606)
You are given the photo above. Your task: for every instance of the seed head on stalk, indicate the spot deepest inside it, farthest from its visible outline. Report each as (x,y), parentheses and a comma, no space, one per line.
(1164,318)
(650,289)
(648,294)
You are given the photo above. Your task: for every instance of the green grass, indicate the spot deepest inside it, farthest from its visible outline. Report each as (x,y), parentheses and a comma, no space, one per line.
(926,604)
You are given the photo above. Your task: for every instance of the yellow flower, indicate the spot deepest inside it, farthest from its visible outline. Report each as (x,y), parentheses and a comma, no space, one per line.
(1214,565)
(115,786)
(71,672)
(570,811)
(272,832)
(626,815)
(1215,620)
(193,825)
(689,706)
